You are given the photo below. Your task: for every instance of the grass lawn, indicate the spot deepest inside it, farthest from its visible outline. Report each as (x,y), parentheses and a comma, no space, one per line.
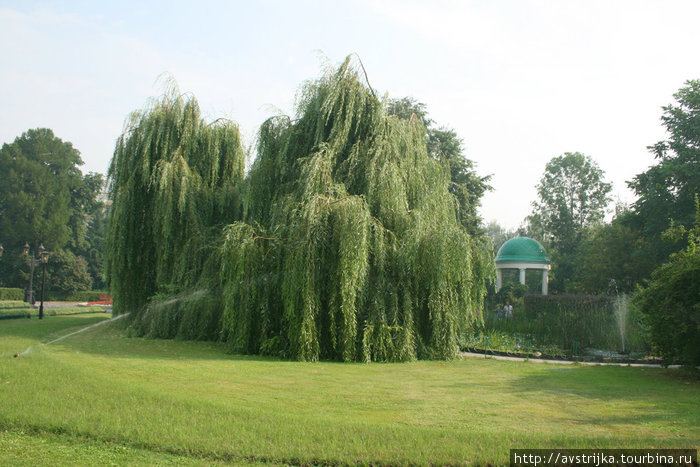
(100,397)
(12,309)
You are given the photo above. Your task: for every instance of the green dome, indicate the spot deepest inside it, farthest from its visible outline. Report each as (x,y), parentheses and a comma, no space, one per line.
(522,249)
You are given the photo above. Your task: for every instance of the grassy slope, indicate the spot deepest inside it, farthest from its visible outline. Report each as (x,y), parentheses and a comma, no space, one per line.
(99,391)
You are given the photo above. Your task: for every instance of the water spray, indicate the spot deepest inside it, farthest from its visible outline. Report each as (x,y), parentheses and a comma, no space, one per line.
(29,349)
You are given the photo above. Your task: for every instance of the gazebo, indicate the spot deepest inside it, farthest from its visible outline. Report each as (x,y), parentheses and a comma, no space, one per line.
(522,253)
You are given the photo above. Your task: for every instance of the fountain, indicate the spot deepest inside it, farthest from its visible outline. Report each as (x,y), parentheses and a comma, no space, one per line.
(621,315)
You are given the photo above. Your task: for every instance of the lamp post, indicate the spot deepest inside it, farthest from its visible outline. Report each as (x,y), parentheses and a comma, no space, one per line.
(44,255)
(31,262)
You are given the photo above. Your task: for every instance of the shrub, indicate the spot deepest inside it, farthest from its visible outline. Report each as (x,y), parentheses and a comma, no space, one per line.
(11,294)
(586,320)
(81,296)
(671,307)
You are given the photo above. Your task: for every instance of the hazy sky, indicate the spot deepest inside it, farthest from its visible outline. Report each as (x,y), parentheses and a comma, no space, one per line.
(519,81)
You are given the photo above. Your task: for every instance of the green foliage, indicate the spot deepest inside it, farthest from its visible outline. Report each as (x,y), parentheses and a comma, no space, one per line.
(192,316)
(78,296)
(39,175)
(671,303)
(506,336)
(11,294)
(345,244)
(174,180)
(95,225)
(443,145)
(572,194)
(572,197)
(511,291)
(66,273)
(611,257)
(350,248)
(667,190)
(499,234)
(568,320)
(44,199)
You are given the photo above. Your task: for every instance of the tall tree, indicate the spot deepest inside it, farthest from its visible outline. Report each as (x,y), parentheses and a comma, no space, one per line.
(40,175)
(44,197)
(174,179)
(671,301)
(352,248)
(498,234)
(611,257)
(445,146)
(572,197)
(347,247)
(667,190)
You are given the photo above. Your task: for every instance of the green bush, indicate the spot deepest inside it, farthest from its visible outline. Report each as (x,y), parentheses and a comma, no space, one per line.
(511,291)
(81,296)
(671,307)
(573,320)
(572,323)
(11,294)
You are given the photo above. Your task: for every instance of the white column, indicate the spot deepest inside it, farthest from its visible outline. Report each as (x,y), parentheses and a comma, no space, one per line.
(522,276)
(499,279)
(545,281)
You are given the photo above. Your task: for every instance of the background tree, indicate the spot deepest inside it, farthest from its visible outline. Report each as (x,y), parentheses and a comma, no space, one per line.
(445,146)
(93,248)
(671,302)
(68,272)
(498,234)
(572,197)
(612,251)
(44,198)
(666,190)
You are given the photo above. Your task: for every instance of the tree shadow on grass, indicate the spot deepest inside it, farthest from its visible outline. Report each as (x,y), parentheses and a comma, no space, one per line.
(613,395)
(113,340)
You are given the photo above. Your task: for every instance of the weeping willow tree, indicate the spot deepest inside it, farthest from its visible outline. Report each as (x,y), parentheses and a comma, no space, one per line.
(174,183)
(341,243)
(349,247)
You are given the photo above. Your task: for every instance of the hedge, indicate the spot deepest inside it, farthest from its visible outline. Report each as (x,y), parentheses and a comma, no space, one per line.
(566,320)
(82,296)
(11,294)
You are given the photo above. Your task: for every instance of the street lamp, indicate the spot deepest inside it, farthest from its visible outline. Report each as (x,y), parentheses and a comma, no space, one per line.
(31,262)
(44,255)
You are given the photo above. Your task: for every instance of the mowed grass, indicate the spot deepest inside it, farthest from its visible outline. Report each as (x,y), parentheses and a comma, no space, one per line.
(12,309)
(100,397)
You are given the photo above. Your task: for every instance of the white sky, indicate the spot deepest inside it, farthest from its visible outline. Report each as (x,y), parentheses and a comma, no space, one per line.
(520,81)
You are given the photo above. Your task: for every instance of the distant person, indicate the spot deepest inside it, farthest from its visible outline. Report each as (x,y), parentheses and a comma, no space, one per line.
(508,310)
(499,310)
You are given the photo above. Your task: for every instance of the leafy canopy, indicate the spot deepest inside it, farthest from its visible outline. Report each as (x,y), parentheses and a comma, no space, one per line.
(174,179)
(346,245)
(44,199)
(572,198)
(572,195)
(671,302)
(445,146)
(667,190)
